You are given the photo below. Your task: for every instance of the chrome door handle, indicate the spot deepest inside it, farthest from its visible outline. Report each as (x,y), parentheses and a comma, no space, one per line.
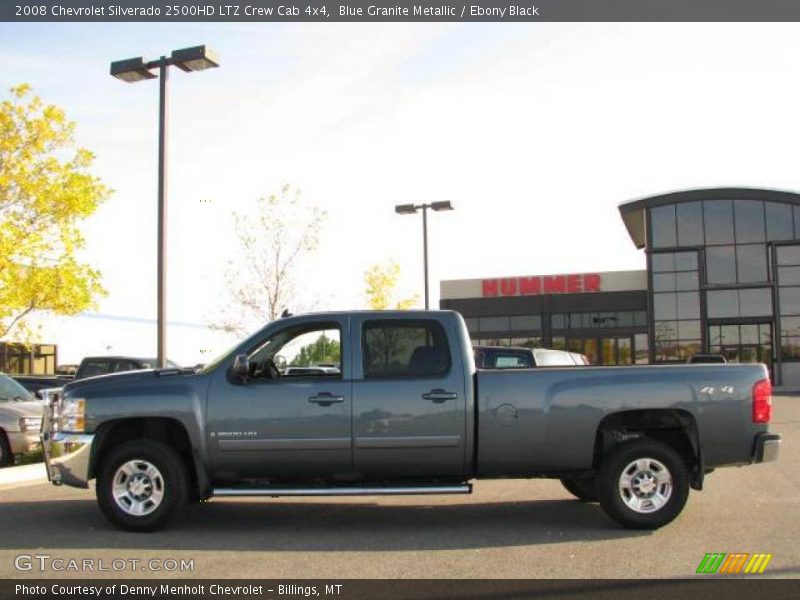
(326,399)
(439,396)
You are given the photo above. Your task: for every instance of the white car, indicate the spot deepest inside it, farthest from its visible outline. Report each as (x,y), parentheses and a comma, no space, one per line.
(20,420)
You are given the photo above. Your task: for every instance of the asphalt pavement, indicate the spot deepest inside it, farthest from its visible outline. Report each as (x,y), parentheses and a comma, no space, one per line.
(505,529)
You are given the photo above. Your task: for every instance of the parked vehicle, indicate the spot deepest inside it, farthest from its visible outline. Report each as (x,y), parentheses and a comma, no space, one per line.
(66,370)
(103,365)
(36,383)
(511,357)
(408,414)
(707,358)
(503,357)
(20,420)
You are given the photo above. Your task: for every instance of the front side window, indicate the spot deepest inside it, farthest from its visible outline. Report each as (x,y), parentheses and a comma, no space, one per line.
(309,350)
(405,349)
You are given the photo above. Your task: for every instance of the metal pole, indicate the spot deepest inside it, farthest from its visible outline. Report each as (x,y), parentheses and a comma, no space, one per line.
(425,248)
(162,211)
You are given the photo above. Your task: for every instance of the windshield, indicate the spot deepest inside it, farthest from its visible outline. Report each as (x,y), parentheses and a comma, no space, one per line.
(210,366)
(10,390)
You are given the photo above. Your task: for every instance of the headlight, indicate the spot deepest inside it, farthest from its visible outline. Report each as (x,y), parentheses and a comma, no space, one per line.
(71,418)
(30,424)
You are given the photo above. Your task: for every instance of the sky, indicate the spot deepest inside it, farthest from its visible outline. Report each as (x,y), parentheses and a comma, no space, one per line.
(535,132)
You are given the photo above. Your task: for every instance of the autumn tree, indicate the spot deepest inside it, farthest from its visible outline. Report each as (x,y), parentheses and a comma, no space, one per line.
(45,190)
(381,288)
(274,240)
(322,350)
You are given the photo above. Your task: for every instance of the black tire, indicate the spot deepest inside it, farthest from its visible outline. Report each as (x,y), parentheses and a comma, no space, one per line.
(6,458)
(657,506)
(582,488)
(169,483)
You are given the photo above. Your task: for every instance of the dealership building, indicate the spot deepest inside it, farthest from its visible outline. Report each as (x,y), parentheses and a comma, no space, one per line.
(722,277)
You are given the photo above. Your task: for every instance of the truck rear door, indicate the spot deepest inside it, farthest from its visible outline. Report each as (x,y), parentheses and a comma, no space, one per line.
(409,398)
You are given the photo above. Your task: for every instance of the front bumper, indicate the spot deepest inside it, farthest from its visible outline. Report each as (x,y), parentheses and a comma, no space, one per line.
(766,447)
(66,455)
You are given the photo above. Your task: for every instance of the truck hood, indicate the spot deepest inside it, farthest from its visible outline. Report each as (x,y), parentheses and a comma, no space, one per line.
(22,409)
(125,378)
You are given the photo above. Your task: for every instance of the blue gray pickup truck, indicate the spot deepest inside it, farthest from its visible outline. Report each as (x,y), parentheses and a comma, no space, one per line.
(405,412)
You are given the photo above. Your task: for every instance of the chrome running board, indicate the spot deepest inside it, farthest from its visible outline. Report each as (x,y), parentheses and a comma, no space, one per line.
(465,488)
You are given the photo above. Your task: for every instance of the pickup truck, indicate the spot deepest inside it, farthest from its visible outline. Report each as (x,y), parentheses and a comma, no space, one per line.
(407,413)
(20,420)
(92,366)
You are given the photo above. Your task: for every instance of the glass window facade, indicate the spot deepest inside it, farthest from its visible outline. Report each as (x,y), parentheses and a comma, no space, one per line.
(725,277)
(676,306)
(788,259)
(21,359)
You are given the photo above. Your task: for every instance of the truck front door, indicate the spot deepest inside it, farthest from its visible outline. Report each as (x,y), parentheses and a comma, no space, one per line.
(291,419)
(409,403)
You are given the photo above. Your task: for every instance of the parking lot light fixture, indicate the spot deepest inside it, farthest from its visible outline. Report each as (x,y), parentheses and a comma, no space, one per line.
(131,70)
(410,209)
(196,58)
(405,209)
(444,205)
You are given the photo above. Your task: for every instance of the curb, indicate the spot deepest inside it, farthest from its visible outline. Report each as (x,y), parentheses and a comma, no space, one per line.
(11,477)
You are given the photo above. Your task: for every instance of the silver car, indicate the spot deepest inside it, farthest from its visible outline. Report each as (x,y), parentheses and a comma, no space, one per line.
(20,420)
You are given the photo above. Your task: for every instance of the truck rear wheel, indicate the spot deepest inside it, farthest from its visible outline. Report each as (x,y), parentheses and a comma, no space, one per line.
(141,485)
(582,489)
(642,484)
(6,457)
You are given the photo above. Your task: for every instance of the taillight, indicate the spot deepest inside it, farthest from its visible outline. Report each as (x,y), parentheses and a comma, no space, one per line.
(762,401)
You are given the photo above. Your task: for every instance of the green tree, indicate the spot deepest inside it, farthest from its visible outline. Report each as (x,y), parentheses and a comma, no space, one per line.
(273,239)
(381,288)
(322,350)
(45,190)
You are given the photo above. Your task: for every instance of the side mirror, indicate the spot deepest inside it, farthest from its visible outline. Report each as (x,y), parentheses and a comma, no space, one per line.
(241,366)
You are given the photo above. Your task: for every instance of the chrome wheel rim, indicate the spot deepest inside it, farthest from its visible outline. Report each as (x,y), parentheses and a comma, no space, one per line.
(645,485)
(138,488)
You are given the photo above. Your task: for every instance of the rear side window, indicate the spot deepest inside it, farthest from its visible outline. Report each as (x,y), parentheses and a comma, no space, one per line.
(124,365)
(95,367)
(400,348)
(513,361)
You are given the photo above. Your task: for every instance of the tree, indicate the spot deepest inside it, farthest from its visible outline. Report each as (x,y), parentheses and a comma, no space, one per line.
(273,241)
(322,350)
(45,190)
(381,282)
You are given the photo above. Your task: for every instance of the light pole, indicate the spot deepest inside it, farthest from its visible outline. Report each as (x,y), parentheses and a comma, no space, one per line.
(410,209)
(132,70)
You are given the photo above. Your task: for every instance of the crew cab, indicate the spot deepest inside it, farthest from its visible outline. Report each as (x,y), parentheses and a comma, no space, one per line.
(406,413)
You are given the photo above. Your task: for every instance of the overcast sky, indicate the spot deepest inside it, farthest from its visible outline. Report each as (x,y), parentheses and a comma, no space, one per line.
(535,132)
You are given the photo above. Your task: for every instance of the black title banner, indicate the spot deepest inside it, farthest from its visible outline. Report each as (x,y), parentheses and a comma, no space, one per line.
(700,588)
(399,10)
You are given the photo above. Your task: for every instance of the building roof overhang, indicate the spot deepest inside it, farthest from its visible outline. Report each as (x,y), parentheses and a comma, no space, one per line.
(633,211)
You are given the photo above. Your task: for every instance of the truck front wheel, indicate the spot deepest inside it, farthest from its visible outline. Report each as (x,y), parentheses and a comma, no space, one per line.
(642,484)
(141,485)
